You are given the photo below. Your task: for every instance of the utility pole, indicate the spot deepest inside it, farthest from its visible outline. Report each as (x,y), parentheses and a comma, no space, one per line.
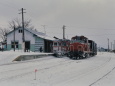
(67,36)
(114,45)
(108,44)
(14,37)
(111,46)
(64,31)
(23,35)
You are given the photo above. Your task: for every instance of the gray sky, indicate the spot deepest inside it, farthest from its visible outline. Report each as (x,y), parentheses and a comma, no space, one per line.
(94,19)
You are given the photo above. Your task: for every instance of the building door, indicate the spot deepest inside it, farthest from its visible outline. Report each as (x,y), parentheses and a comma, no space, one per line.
(27,45)
(48,45)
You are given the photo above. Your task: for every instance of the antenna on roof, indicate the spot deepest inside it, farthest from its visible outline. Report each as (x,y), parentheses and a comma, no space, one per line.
(56,37)
(44,26)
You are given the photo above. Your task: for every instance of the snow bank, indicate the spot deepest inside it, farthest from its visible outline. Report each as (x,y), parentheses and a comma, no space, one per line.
(9,56)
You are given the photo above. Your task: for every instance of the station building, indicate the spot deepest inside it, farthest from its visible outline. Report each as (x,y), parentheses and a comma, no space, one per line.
(33,40)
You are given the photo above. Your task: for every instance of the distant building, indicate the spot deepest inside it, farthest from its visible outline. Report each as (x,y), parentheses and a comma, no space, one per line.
(101,49)
(33,40)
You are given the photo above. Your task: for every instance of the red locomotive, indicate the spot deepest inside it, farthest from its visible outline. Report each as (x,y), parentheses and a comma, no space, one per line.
(79,47)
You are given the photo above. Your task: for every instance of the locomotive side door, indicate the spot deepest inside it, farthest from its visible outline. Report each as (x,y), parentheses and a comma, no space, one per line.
(59,47)
(55,47)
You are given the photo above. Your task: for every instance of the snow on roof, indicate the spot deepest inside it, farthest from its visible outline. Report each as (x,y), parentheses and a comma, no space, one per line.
(39,34)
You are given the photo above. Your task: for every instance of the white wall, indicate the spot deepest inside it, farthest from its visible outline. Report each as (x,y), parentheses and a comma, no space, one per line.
(18,37)
(29,37)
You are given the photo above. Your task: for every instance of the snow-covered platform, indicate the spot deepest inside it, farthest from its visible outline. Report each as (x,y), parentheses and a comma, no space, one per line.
(10,56)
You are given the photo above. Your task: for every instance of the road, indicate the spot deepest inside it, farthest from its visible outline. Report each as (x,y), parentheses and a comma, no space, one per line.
(51,71)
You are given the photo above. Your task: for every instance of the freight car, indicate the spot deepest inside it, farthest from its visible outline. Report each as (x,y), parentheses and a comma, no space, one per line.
(93,48)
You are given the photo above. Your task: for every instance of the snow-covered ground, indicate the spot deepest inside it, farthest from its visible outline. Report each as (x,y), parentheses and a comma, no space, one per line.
(7,57)
(51,71)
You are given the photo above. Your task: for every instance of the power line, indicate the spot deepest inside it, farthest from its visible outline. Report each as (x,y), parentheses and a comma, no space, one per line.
(84,34)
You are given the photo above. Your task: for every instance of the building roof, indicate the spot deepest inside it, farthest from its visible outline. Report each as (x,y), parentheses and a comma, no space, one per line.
(38,34)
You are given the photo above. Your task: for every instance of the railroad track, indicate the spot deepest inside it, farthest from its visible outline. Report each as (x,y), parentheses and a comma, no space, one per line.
(60,62)
(86,73)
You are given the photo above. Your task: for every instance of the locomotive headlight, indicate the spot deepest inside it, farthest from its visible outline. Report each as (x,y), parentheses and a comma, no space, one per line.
(59,53)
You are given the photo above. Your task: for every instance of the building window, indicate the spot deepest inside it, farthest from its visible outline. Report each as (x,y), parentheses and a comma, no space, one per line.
(20,31)
(16,45)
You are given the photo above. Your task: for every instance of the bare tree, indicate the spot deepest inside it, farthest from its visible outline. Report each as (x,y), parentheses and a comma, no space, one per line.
(17,23)
(3,33)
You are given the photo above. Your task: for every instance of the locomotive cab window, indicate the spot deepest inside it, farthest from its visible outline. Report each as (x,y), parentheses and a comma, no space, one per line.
(64,44)
(59,44)
(55,44)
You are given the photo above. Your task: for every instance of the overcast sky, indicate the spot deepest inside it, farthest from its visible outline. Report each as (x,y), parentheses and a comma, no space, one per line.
(94,19)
